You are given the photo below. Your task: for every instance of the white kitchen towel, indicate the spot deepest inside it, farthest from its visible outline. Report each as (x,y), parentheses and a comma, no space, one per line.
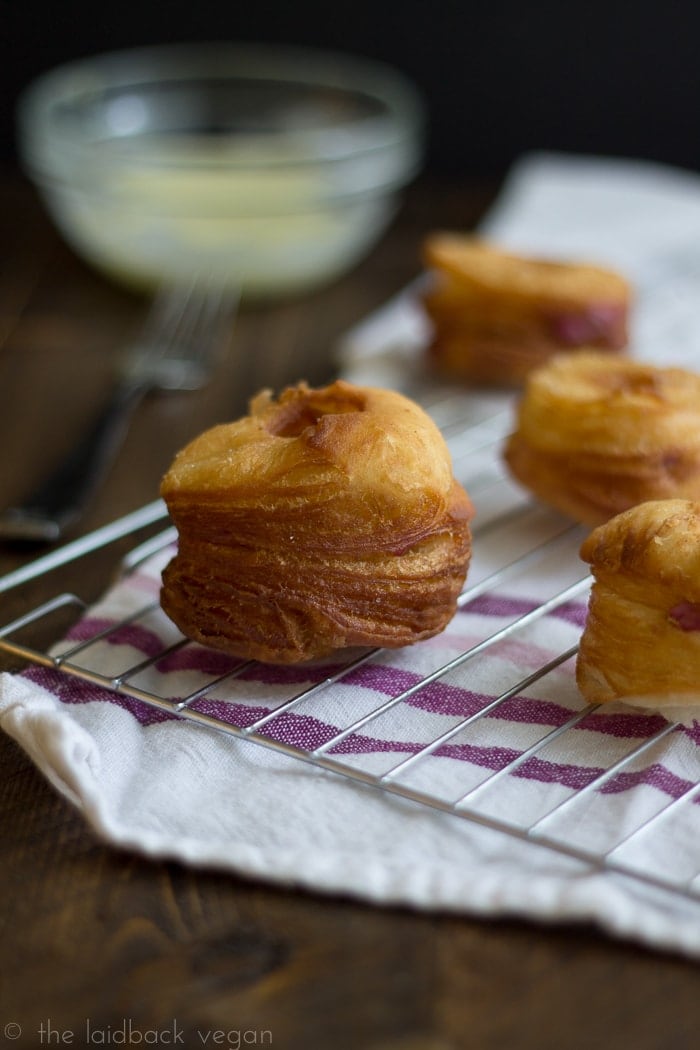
(148,780)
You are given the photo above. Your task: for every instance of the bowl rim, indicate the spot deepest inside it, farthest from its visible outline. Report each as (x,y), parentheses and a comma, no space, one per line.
(402,122)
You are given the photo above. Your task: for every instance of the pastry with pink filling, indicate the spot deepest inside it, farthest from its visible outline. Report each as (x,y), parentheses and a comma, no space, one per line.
(596,434)
(496,315)
(641,642)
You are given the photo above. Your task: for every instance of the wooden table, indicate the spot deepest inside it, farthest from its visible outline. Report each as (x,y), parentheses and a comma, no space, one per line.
(91,935)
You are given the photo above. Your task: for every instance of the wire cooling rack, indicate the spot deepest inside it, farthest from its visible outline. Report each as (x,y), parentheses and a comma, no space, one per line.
(515,542)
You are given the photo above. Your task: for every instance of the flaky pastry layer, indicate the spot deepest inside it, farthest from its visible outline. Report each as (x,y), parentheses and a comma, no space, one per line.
(597,434)
(324,519)
(497,315)
(642,634)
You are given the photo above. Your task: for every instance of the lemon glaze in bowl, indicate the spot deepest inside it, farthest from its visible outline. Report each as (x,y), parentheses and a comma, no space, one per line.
(269,169)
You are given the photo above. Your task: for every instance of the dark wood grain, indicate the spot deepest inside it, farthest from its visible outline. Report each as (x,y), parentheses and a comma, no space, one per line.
(89,934)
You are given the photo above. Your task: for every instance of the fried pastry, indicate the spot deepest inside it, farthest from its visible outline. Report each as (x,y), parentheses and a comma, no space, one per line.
(326,518)
(641,642)
(597,434)
(495,315)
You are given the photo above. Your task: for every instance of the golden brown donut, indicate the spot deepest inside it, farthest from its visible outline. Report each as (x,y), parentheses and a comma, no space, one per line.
(641,642)
(597,434)
(324,519)
(496,315)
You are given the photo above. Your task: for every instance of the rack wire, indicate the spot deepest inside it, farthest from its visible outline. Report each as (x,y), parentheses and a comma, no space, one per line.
(512,537)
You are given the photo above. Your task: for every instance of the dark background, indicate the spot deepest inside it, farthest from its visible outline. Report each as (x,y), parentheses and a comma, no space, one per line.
(499,78)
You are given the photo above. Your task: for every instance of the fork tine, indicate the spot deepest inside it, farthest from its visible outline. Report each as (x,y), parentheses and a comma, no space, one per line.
(183,335)
(202,319)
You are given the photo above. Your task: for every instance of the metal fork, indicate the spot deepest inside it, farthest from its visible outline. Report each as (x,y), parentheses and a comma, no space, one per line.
(175,350)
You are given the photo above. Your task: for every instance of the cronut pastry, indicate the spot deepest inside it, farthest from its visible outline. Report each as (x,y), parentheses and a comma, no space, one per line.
(641,642)
(496,315)
(597,434)
(324,519)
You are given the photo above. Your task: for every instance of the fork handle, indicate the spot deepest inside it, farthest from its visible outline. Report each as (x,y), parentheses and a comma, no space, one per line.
(60,498)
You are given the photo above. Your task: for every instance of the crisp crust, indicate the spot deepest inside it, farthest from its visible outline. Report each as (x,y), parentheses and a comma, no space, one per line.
(323,519)
(654,544)
(642,634)
(497,315)
(595,435)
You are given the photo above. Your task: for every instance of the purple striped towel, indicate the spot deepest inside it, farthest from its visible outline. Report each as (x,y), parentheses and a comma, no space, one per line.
(147,779)
(462,774)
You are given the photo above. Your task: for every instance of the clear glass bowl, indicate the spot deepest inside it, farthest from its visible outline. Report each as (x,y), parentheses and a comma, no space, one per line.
(272,169)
